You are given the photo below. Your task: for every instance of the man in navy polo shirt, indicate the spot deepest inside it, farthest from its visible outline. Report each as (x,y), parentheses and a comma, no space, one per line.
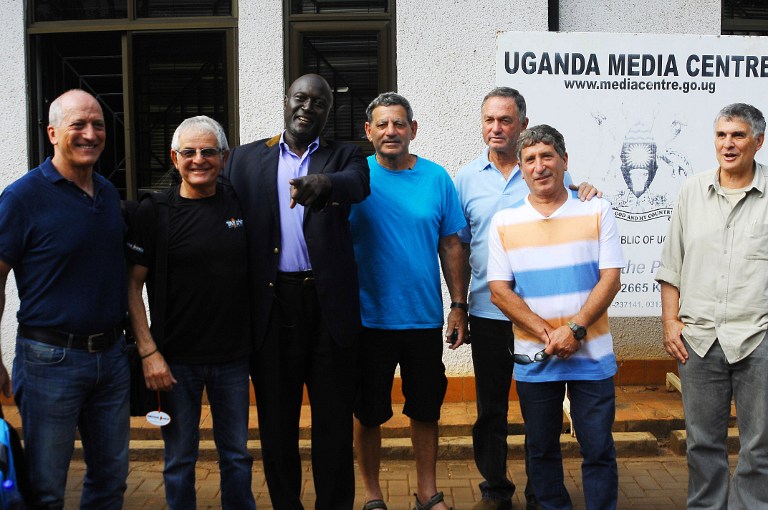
(61,232)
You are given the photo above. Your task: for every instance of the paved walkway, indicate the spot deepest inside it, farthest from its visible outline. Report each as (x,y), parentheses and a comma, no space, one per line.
(648,483)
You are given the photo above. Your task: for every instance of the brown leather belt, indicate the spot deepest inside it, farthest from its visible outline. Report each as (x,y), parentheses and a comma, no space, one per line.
(91,343)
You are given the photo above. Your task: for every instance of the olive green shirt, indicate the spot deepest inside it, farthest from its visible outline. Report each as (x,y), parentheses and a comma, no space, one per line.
(716,255)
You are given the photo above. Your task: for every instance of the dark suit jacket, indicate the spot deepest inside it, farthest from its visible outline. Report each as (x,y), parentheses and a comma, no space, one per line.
(252,170)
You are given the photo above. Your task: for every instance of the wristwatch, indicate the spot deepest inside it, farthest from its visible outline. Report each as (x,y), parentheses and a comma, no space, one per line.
(579,332)
(463,306)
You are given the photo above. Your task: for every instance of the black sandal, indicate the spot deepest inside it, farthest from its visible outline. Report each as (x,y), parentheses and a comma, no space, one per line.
(437,498)
(374,504)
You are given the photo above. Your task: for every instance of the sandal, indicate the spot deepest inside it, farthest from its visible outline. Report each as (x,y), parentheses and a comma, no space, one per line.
(437,498)
(374,504)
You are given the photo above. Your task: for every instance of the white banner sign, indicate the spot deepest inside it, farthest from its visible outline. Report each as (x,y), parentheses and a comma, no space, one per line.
(637,113)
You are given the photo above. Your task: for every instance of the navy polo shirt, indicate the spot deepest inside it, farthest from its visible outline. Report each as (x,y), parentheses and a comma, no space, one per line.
(66,250)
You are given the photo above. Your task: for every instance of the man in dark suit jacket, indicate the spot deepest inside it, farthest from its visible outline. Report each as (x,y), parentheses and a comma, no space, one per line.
(296,190)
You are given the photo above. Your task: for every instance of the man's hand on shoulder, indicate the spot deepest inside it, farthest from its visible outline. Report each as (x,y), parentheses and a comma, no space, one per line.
(586,191)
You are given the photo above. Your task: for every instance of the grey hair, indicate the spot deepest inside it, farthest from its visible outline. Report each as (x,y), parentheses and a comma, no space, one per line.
(389,99)
(512,94)
(541,134)
(203,124)
(55,110)
(745,112)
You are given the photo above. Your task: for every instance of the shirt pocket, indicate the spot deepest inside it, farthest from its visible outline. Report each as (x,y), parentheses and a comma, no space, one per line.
(757,242)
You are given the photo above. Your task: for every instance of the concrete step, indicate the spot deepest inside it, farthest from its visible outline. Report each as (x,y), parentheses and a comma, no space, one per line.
(628,444)
(638,409)
(647,419)
(677,441)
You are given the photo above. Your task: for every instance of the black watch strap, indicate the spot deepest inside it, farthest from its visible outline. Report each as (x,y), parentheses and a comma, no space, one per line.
(463,306)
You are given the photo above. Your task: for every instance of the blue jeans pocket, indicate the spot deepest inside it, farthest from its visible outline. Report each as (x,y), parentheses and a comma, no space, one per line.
(38,353)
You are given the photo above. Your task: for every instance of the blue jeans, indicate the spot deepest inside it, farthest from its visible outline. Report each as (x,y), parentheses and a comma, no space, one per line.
(228,394)
(593,409)
(708,385)
(59,390)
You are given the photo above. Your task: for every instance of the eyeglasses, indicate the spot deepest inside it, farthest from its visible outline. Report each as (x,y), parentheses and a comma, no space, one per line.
(207,152)
(524,359)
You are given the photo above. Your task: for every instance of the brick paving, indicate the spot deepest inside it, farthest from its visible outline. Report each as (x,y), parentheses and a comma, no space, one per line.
(650,483)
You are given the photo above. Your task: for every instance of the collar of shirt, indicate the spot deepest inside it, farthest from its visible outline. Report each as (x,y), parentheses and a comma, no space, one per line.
(285,150)
(758,182)
(484,163)
(51,173)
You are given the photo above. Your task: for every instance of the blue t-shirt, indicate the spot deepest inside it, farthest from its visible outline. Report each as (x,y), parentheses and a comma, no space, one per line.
(66,250)
(395,232)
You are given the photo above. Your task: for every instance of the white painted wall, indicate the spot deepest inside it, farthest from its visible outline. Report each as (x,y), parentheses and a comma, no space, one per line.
(641,16)
(261,83)
(13,133)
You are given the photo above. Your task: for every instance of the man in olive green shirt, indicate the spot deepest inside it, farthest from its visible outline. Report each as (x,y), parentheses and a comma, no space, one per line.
(714,294)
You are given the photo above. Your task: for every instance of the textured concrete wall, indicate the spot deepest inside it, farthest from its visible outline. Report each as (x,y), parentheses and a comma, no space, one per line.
(652,17)
(446,64)
(13,133)
(260,67)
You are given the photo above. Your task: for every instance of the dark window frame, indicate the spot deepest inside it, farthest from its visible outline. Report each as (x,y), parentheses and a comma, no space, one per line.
(37,113)
(298,25)
(732,25)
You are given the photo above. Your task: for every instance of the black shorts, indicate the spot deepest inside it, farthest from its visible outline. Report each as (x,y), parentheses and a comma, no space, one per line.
(419,352)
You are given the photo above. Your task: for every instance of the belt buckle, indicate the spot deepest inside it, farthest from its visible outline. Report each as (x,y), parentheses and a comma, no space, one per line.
(91,338)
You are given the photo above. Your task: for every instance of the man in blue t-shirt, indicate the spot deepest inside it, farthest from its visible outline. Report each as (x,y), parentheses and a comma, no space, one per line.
(61,231)
(409,221)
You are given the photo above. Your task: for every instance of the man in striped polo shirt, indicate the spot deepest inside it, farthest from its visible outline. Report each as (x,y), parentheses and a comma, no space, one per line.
(553,268)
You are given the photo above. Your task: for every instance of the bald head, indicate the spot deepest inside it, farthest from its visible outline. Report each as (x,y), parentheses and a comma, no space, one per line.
(67,100)
(76,130)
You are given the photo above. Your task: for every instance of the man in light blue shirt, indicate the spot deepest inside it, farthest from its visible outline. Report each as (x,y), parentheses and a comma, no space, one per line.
(489,183)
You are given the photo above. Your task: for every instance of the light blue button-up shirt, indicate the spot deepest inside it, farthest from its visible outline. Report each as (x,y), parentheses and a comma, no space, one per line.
(294,255)
(483,190)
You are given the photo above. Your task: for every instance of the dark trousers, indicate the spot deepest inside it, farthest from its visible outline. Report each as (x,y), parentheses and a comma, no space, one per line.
(593,408)
(298,350)
(492,343)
